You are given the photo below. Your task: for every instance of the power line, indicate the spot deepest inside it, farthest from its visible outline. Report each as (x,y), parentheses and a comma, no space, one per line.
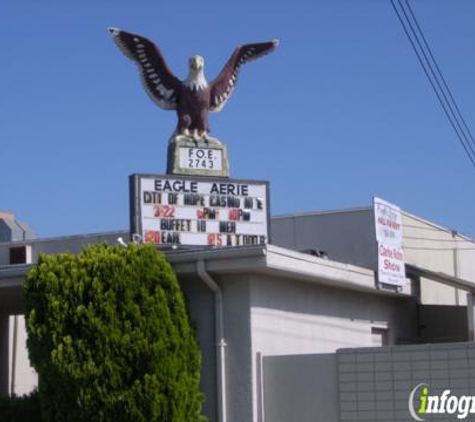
(436,249)
(436,240)
(437,74)
(459,132)
(452,116)
(440,73)
(434,229)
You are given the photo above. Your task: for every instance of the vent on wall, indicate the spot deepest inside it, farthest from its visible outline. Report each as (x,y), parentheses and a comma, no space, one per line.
(20,255)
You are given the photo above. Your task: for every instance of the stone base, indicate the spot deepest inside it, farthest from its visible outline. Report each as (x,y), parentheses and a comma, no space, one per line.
(204,156)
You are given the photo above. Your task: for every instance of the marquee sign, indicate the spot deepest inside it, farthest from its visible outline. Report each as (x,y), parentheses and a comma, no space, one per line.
(388,223)
(180,210)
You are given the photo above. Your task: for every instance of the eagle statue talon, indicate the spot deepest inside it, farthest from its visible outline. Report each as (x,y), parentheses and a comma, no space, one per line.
(208,139)
(195,136)
(192,98)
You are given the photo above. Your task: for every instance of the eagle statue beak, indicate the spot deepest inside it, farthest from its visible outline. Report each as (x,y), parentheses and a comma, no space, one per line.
(113,31)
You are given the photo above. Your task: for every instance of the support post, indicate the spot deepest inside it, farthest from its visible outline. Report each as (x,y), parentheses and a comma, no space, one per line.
(471,316)
(4,361)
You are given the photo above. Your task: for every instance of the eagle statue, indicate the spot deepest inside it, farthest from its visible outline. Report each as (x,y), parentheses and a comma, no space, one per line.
(194,97)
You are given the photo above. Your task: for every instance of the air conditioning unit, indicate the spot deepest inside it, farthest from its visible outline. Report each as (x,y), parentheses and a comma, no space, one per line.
(20,254)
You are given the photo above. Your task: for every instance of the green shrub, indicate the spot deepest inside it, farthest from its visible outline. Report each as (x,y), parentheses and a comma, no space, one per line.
(20,408)
(109,335)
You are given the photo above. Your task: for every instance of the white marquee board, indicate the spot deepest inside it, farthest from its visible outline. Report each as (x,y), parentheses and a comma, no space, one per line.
(182,210)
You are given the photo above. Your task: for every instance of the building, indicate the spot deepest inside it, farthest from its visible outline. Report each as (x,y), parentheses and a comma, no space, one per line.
(349,236)
(285,327)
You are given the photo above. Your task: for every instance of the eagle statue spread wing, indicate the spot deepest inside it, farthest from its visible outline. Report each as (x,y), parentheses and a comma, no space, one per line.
(192,98)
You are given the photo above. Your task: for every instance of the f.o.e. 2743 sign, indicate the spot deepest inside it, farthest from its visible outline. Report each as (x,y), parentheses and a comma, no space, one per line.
(171,210)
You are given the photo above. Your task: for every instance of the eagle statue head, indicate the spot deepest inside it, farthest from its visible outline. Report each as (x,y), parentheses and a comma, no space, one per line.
(196,63)
(196,80)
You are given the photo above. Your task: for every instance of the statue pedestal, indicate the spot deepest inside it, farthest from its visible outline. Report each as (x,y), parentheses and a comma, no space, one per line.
(197,157)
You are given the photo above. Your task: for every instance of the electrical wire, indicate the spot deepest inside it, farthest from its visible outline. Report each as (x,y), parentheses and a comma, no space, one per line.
(452,116)
(437,249)
(445,106)
(432,229)
(437,240)
(439,71)
(465,142)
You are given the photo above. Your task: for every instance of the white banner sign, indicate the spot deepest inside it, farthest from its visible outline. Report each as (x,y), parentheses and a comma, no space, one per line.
(391,266)
(388,224)
(178,210)
(388,221)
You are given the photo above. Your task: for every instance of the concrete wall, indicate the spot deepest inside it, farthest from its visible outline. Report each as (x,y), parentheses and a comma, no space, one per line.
(366,384)
(239,363)
(375,384)
(300,388)
(237,333)
(201,306)
(271,316)
(347,236)
(290,317)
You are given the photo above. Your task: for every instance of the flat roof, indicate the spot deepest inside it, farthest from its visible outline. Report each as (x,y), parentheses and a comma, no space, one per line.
(278,262)
(268,260)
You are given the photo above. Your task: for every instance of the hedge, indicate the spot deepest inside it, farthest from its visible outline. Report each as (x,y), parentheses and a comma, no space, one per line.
(20,408)
(109,335)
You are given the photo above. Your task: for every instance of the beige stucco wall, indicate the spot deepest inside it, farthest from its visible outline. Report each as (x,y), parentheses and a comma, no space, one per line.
(438,249)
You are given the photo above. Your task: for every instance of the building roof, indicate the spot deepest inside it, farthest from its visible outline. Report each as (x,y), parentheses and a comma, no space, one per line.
(278,262)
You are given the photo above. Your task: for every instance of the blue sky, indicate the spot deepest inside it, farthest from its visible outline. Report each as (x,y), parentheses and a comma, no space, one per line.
(340,113)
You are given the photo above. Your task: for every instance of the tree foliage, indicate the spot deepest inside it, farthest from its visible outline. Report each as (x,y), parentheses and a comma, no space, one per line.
(109,335)
(20,408)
